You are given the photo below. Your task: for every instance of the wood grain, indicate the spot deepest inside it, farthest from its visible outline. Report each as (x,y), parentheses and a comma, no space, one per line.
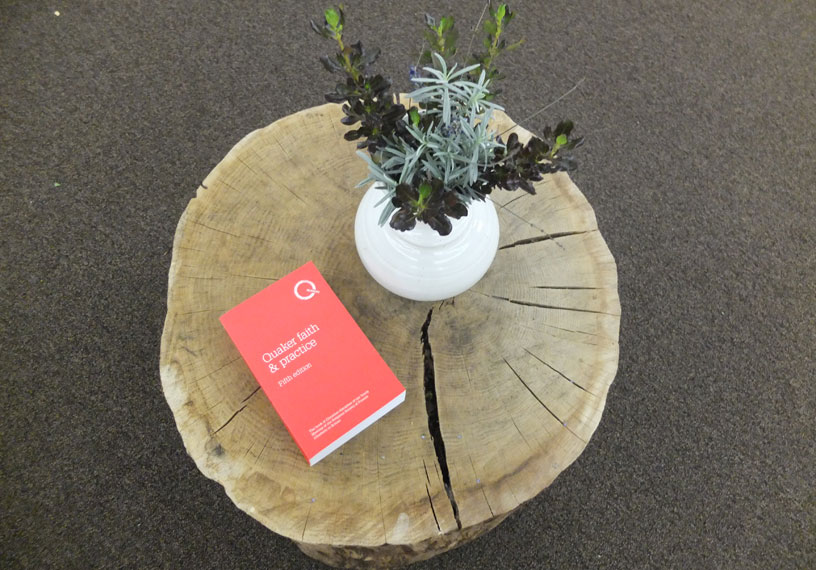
(521,363)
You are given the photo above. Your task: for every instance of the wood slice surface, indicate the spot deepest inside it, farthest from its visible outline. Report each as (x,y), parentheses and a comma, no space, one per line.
(517,368)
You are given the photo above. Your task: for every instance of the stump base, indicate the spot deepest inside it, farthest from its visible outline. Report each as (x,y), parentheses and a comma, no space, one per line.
(395,555)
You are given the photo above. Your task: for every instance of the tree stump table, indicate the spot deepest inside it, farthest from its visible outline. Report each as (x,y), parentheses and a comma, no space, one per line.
(505,383)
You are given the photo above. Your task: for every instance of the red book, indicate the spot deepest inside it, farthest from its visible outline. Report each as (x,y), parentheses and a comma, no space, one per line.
(323,376)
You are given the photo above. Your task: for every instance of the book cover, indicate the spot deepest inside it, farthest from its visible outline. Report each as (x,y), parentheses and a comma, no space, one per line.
(323,376)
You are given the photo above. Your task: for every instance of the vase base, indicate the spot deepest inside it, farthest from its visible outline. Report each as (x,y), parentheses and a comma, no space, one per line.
(419,264)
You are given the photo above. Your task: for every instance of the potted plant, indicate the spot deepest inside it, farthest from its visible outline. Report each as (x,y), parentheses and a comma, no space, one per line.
(433,163)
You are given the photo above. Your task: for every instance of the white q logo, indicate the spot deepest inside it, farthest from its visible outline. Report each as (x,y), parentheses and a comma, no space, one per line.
(305,290)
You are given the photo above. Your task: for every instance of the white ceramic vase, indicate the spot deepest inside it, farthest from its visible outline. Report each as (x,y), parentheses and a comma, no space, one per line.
(420,264)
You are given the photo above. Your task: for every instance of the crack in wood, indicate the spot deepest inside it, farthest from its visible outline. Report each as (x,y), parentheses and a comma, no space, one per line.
(203,225)
(283,148)
(522,195)
(451,302)
(249,449)
(196,312)
(433,510)
(278,182)
(189,350)
(232,417)
(533,394)
(593,335)
(334,127)
(255,391)
(528,222)
(537,239)
(248,167)
(306,522)
(542,306)
(478,480)
(217,369)
(487,502)
(515,425)
(561,374)
(433,416)
(234,189)
(258,458)
(467,373)
(509,211)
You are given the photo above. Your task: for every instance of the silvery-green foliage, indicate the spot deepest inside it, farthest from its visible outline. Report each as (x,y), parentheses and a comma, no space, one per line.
(451,142)
(434,159)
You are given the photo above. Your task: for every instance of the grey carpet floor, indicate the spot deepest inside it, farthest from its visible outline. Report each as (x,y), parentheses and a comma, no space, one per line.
(699,163)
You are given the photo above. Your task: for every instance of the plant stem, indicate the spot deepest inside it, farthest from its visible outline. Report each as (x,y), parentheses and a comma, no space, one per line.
(338,36)
(494,48)
(473,35)
(544,108)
